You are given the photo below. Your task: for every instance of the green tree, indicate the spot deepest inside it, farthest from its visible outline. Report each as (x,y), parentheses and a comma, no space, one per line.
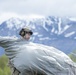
(4,69)
(72,55)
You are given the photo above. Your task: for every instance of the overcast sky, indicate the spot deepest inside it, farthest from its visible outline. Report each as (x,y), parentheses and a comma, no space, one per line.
(38,7)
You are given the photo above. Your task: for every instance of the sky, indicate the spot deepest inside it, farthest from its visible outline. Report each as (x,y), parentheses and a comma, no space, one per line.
(9,8)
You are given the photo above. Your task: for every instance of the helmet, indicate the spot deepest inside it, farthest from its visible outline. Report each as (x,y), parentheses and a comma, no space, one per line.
(24,31)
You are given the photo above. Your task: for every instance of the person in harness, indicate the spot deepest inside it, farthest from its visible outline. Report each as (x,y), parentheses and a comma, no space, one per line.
(25,33)
(27,58)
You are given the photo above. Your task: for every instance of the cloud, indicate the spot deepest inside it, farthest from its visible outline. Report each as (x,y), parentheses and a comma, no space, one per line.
(6,16)
(41,7)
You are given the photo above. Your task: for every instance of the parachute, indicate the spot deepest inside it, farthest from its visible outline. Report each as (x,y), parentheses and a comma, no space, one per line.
(28,57)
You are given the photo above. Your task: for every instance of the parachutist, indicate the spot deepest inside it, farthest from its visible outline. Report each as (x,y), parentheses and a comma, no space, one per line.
(27,58)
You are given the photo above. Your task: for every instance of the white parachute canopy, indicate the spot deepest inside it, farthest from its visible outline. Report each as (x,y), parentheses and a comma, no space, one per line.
(28,56)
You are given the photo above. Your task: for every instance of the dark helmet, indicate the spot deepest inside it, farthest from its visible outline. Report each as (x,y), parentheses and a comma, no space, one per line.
(24,31)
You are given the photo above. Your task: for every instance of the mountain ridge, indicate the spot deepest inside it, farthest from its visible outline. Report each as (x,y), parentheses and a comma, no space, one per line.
(52,31)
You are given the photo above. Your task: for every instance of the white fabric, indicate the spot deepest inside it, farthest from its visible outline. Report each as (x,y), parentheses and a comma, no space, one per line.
(26,55)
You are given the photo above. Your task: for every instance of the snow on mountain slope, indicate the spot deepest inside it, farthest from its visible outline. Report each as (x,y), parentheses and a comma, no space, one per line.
(54,31)
(69,34)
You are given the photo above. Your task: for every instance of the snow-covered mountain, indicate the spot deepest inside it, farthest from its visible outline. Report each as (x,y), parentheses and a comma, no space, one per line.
(59,32)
